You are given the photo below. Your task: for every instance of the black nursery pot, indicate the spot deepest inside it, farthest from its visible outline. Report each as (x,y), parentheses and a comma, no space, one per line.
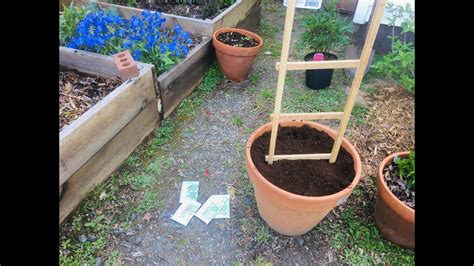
(317,79)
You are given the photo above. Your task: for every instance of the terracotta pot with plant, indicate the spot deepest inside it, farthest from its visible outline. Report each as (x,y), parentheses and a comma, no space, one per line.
(395,206)
(236,50)
(325,32)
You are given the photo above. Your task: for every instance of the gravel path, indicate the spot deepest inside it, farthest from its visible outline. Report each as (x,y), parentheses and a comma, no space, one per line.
(210,149)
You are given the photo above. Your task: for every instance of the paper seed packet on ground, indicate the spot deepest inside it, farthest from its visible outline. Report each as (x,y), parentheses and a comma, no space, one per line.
(217,206)
(186,211)
(189,190)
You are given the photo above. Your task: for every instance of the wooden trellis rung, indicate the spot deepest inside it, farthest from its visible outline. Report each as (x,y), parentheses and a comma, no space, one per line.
(314,156)
(308,116)
(333,64)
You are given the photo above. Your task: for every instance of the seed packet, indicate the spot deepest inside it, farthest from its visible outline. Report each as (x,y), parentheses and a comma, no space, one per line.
(189,190)
(186,211)
(217,206)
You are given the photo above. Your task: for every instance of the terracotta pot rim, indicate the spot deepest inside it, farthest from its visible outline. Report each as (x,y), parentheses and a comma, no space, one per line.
(309,199)
(381,178)
(242,31)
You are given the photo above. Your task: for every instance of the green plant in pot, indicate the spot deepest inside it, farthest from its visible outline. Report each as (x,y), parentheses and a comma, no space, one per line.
(326,32)
(395,205)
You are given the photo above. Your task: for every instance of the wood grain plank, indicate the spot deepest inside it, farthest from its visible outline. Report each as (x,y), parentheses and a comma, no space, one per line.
(93,129)
(107,160)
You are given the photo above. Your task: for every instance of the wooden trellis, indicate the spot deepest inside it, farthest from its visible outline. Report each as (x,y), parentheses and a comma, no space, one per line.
(283,66)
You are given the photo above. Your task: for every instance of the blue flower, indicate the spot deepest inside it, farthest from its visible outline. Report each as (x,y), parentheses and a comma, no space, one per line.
(136,54)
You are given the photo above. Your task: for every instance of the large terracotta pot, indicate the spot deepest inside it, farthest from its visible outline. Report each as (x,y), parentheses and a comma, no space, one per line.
(289,213)
(235,62)
(395,220)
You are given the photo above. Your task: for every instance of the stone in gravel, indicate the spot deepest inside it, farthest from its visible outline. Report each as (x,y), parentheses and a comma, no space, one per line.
(91,238)
(117,232)
(139,227)
(127,245)
(238,233)
(137,254)
(247,201)
(300,240)
(130,233)
(133,217)
(137,240)
(98,261)
(82,238)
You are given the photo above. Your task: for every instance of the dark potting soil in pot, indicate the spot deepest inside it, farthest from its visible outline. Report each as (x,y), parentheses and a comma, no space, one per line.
(398,186)
(78,92)
(237,39)
(303,177)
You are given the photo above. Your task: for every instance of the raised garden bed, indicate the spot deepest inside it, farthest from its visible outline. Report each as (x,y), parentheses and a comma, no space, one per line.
(242,14)
(99,140)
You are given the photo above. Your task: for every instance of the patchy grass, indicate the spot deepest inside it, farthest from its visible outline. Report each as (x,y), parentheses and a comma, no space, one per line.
(254,78)
(265,100)
(260,261)
(357,241)
(262,235)
(237,121)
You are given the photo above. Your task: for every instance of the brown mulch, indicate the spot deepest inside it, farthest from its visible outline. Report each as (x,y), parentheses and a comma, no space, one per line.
(78,92)
(390,128)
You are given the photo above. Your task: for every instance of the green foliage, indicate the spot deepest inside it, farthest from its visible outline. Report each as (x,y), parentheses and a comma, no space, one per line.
(326,30)
(68,22)
(238,121)
(262,235)
(149,201)
(399,64)
(406,169)
(357,241)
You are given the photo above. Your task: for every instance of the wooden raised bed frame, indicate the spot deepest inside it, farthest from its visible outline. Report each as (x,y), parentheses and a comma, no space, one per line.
(178,82)
(242,14)
(93,157)
(96,143)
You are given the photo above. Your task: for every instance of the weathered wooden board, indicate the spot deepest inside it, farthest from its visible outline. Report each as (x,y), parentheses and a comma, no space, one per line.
(85,136)
(182,79)
(100,166)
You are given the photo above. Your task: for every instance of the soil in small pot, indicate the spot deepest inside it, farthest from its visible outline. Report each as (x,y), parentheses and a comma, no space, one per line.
(236,39)
(78,92)
(398,186)
(303,177)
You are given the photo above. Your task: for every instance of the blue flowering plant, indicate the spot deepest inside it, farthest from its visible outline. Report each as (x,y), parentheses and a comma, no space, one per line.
(146,37)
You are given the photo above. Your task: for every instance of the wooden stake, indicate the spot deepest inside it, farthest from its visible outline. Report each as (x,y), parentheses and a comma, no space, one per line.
(364,59)
(290,12)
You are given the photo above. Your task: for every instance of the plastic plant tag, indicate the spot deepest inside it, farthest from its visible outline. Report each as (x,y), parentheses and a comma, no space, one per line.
(217,206)
(318,57)
(189,190)
(186,211)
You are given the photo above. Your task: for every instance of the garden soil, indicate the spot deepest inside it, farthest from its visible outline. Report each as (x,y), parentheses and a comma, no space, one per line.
(303,177)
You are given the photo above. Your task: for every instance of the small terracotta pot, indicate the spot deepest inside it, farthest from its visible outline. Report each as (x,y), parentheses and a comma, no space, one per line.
(395,220)
(236,62)
(288,213)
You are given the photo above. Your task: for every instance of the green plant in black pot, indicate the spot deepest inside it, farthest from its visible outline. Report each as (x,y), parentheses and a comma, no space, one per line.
(326,31)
